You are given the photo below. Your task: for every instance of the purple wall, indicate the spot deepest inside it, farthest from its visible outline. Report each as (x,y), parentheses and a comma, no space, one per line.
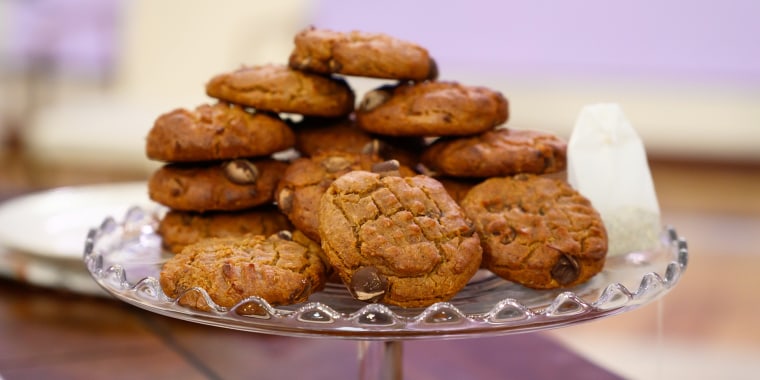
(71,35)
(698,40)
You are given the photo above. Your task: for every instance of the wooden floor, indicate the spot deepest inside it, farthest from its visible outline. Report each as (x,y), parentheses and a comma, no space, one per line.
(705,328)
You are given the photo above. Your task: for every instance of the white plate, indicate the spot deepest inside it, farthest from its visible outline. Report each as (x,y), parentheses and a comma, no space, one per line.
(54,223)
(57,274)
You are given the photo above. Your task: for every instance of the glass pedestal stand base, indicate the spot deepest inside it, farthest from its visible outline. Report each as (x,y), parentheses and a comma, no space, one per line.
(380,360)
(125,258)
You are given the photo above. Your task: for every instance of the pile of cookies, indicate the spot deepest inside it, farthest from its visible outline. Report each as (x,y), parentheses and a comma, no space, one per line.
(403,198)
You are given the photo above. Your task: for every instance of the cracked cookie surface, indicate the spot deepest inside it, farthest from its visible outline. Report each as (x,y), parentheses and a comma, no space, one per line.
(181,228)
(495,153)
(277,88)
(407,234)
(282,269)
(216,132)
(431,109)
(210,187)
(358,53)
(306,180)
(537,231)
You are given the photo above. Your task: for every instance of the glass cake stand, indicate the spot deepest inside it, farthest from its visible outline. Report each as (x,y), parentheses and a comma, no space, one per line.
(125,258)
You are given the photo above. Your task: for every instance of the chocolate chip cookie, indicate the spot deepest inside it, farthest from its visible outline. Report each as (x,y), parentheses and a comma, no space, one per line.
(431,109)
(314,135)
(181,228)
(362,54)
(498,152)
(400,241)
(537,231)
(277,88)
(306,179)
(228,186)
(216,132)
(280,269)
(457,187)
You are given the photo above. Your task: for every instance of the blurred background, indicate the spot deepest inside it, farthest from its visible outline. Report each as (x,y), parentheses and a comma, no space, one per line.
(686,73)
(81,82)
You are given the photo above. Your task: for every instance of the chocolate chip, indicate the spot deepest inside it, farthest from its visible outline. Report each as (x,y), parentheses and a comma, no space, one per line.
(420,167)
(368,284)
(433,71)
(242,172)
(372,148)
(378,148)
(374,99)
(176,187)
(285,200)
(227,270)
(387,168)
(285,235)
(509,235)
(566,270)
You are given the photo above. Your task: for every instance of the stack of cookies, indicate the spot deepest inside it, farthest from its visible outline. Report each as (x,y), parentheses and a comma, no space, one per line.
(403,198)
(218,179)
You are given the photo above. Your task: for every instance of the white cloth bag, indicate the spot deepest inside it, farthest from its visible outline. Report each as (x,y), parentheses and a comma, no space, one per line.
(607,163)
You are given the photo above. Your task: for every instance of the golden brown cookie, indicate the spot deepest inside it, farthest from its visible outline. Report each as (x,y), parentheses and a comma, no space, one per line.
(216,132)
(181,228)
(400,241)
(217,186)
(496,153)
(277,88)
(280,269)
(314,135)
(457,187)
(431,109)
(363,54)
(306,179)
(537,231)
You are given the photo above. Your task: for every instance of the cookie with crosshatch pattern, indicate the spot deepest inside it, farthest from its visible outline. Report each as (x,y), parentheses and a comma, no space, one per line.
(398,240)
(283,268)
(306,179)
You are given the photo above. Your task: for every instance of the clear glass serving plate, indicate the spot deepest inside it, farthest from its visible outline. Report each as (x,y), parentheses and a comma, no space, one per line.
(125,258)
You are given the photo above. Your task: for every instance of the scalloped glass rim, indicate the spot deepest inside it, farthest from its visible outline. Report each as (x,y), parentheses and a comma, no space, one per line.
(125,258)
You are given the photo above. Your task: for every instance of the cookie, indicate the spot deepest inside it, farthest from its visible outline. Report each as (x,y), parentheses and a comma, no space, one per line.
(277,88)
(306,179)
(400,241)
(496,153)
(364,54)
(314,135)
(181,228)
(280,269)
(457,187)
(218,186)
(216,132)
(537,231)
(431,109)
